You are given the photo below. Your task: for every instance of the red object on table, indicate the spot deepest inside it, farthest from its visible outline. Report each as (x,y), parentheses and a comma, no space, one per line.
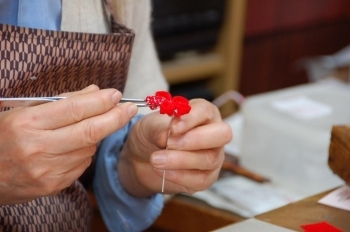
(320,227)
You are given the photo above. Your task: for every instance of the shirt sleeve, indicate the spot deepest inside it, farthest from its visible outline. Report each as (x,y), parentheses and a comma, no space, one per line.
(120,210)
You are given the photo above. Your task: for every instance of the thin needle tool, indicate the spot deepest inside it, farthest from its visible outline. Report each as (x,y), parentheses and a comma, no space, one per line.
(32,101)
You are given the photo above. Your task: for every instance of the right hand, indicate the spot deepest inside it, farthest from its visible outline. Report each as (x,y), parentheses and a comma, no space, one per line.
(45,148)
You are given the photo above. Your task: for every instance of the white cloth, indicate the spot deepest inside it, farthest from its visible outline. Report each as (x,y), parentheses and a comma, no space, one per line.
(145,76)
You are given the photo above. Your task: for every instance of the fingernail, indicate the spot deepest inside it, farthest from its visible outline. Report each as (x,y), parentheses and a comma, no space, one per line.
(132,110)
(116,97)
(159,159)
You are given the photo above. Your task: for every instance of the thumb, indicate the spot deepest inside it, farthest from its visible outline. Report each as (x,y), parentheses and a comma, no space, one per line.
(150,134)
(156,128)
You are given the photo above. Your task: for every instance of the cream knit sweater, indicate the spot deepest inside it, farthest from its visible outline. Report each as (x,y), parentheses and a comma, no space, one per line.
(145,76)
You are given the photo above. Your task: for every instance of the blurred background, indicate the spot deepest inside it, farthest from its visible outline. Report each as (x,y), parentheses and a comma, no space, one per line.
(259,61)
(279,72)
(252,46)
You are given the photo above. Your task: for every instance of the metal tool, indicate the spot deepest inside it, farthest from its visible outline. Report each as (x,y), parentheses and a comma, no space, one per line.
(32,101)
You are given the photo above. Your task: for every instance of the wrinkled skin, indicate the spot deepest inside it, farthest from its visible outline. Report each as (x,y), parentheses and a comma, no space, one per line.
(45,148)
(192,154)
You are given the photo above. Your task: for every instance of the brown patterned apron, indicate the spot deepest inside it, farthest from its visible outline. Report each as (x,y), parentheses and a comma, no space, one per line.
(36,62)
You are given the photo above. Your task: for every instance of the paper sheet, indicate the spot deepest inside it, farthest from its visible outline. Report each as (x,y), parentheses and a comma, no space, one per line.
(244,196)
(303,107)
(253,225)
(339,198)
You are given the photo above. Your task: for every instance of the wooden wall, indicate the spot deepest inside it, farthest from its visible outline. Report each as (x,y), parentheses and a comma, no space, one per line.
(279,33)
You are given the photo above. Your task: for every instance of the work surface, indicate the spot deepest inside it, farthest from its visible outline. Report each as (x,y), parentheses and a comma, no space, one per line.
(307,211)
(185,214)
(292,216)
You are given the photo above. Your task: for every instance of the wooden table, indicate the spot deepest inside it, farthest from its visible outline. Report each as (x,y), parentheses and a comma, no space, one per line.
(307,211)
(187,214)
(184,213)
(180,213)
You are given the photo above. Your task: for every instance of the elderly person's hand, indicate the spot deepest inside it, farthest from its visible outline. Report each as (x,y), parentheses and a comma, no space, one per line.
(45,148)
(191,153)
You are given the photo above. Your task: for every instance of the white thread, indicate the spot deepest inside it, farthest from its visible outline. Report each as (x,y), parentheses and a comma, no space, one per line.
(163,180)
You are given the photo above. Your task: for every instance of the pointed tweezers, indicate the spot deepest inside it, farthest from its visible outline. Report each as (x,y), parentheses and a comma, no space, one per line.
(32,101)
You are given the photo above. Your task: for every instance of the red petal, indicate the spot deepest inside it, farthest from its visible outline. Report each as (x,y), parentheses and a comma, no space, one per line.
(167,107)
(171,106)
(164,94)
(155,101)
(181,106)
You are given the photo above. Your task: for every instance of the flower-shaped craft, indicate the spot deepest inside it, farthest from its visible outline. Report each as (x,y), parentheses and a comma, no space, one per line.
(172,106)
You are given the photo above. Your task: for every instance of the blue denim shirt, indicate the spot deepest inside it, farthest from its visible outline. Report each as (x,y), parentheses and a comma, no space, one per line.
(42,14)
(123,211)
(120,210)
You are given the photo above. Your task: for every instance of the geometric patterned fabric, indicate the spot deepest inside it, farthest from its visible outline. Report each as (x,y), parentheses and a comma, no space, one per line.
(69,210)
(35,62)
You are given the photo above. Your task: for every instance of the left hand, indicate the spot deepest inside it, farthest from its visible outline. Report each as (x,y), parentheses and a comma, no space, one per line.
(191,153)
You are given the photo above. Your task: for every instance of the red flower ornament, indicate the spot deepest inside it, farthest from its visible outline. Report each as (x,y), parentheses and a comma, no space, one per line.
(172,106)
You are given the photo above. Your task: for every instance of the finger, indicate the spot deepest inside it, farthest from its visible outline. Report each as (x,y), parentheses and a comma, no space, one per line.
(149,134)
(90,131)
(202,137)
(73,109)
(188,181)
(202,160)
(202,112)
(88,89)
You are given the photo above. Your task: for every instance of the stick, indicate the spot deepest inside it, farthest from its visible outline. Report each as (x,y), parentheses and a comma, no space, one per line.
(163,181)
